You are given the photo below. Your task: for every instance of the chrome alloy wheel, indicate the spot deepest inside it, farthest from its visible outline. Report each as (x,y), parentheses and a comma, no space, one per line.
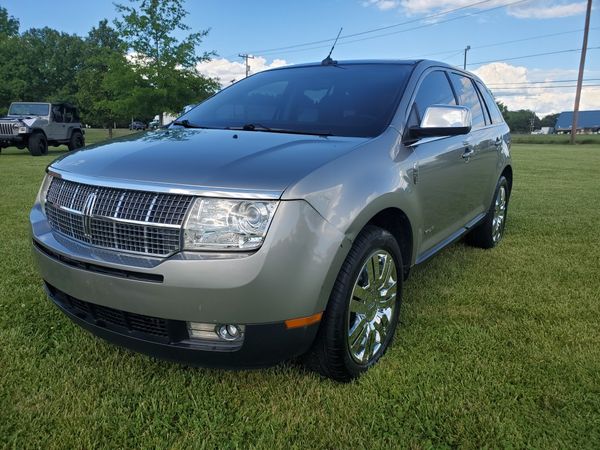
(499,214)
(372,306)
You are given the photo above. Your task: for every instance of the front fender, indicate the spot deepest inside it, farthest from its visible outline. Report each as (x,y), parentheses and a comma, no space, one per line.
(349,191)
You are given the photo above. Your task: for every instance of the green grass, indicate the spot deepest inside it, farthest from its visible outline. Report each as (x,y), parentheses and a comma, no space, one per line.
(555,139)
(92,135)
(496,348)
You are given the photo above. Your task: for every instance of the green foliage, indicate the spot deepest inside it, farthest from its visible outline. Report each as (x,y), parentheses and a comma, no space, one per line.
(549,120)
(169,65)
(9,26)
(522,121)
(99,74)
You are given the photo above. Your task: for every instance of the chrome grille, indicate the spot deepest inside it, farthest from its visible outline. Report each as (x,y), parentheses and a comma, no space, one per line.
(133,221)
(6,128)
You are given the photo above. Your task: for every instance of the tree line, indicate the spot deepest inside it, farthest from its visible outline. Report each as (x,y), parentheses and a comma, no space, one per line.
(524,121)
(131,68)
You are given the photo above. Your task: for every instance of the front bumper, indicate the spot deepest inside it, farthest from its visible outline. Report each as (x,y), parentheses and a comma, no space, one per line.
(263,345)
(290,276)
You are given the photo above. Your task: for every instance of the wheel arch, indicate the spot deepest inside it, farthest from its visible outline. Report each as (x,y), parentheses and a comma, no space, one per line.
(507,173)
(396,222)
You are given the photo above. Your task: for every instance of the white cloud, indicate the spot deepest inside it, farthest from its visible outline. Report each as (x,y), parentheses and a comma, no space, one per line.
(533,9)
(226,70)
(547,12)
(541,100)
(383,5)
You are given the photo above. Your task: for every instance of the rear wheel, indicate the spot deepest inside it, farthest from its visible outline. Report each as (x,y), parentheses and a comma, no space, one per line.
(489,233)
(37,144)
(362,313)
(76,141)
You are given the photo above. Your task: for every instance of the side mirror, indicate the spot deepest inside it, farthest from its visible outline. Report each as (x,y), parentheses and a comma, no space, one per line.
(444,120)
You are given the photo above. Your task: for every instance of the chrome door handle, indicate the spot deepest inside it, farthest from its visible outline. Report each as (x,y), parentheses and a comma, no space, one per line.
(468,153)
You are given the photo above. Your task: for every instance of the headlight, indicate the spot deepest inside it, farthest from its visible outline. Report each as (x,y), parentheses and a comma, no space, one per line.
(41,197)
(214,224)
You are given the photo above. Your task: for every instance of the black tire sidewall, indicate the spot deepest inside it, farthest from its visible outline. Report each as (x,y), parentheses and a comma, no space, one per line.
(34,143)
(489,225)
(73,141)
(371,239)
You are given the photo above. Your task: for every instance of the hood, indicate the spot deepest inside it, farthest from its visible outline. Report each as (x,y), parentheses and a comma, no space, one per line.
(225,159)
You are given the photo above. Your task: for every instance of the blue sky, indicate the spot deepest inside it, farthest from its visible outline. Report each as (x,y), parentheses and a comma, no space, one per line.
(256,26)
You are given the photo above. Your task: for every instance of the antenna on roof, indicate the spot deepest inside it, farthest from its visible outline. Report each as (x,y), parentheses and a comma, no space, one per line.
(328,61)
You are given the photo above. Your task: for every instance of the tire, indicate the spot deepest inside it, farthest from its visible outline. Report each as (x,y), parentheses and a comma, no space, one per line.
(37,144)
(77,141)
(332,354)
(490,231)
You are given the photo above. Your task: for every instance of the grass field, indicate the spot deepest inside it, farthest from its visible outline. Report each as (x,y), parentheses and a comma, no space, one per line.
(546,139)
(496,348)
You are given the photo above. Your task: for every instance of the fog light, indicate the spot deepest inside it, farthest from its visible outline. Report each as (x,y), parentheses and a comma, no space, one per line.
(229,332)
(212,332)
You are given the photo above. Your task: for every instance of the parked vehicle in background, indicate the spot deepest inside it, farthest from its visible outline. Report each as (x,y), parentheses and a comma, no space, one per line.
(278,218)
(137,125)
(37,125)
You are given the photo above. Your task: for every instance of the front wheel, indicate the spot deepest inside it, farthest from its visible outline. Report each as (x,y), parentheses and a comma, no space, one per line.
(76,141)
(37,144)
(362,313)
(489,233)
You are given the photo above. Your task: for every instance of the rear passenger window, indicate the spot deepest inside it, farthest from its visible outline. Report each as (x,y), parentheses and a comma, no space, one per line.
(434,90)
(491,104)
(467,96)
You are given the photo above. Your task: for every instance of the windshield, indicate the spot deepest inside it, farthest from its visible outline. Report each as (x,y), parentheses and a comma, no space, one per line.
(342,100)
(28,109)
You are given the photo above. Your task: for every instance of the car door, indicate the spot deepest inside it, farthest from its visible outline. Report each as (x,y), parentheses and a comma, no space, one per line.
(479,168)
(56,126)
(438,169)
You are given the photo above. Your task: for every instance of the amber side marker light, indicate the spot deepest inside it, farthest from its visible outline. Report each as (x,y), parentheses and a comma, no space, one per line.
(303,321)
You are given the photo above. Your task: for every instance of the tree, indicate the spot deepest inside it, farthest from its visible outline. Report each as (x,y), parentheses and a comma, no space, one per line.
(9,48)
(9,26)
(169,65)
(106,81)
(549,120)
(522,121)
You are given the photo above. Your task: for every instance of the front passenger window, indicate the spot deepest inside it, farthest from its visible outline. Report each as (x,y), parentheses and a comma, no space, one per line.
(434,90)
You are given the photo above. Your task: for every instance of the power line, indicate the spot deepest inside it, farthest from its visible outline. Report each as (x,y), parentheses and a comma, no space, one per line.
(542,87)
(372,30)
(532,56)
(294,48)
(540,82)
(497,44)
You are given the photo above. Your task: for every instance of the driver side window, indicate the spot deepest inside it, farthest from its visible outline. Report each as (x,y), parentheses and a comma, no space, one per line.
(434,90)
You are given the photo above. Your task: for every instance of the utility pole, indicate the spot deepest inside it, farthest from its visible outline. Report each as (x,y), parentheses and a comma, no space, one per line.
(246,57)
(467,48)
(581,68)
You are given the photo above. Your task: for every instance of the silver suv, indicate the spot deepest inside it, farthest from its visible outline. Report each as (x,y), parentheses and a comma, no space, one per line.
(38,125)
(279,218)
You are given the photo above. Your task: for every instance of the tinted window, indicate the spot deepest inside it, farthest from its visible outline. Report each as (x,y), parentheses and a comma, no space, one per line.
(434,90)
(491,104)
(467,96)
(344,100)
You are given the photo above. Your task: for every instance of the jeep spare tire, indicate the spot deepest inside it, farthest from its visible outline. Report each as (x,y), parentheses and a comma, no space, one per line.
(37,144)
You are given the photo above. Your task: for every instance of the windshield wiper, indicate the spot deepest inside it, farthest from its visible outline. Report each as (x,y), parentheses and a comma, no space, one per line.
(186,124)
(259,127)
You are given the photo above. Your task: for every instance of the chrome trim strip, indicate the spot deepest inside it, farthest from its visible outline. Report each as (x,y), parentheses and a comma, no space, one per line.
(200,191)
(117,219)
(116,251)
